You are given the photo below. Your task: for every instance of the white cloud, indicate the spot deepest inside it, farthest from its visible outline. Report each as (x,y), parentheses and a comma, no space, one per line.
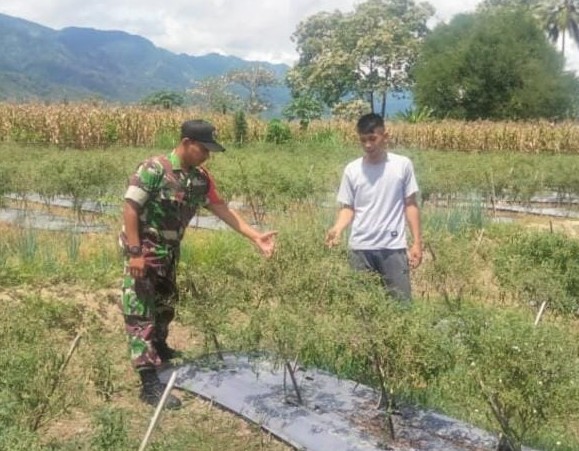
(249,29)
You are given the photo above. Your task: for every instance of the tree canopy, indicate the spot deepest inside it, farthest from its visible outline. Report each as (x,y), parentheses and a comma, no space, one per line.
(213,94)
(493,65)
(487,5)
(559,19)
(165,99)
(238,89)
(359,55)
(253,79)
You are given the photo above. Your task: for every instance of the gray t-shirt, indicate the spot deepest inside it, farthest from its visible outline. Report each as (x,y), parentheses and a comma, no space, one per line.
(377,192)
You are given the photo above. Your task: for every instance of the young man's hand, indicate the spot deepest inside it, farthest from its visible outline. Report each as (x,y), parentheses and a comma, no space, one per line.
(333,237)
(266,243)
(415,256)
(345,217)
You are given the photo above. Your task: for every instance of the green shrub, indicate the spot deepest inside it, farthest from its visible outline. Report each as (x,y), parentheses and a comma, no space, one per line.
(415,115)
(32,388)
(240,128)
(526,375)
(278,132)
(541,267)
(111,430)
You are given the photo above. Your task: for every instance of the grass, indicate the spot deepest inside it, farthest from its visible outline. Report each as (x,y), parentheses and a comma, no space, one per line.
(96,402)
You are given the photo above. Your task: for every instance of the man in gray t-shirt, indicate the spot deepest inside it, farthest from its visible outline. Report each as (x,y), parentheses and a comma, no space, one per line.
(378,197)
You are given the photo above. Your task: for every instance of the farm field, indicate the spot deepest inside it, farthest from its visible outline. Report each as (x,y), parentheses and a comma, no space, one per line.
(468,347)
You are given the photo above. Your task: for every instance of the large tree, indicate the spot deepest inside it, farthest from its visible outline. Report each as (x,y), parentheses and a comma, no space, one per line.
(253,80)
(493,65)
(487,5)
(165,99)
(238,89)
(214,94)
(559,18)
(363,54)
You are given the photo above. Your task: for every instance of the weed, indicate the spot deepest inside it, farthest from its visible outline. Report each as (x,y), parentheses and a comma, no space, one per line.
(111,430)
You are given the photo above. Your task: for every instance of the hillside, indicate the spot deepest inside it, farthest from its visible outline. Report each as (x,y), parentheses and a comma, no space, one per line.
(37,62)
(40,63)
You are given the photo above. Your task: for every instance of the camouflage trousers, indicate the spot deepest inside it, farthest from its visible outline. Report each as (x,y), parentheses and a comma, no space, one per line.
(148,305)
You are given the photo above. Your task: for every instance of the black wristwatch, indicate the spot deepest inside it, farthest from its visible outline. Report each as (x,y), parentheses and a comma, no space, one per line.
(134,251)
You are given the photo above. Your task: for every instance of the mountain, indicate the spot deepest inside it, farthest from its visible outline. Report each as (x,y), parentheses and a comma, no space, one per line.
(40,63)
(37,62)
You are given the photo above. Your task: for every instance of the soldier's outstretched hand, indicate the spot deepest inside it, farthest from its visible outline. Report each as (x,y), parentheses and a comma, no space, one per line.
(266,243)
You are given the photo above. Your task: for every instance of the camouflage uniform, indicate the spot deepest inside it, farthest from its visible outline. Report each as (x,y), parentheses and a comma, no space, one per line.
(167,199)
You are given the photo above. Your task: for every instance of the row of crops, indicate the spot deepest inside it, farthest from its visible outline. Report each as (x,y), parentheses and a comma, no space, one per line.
(86,126)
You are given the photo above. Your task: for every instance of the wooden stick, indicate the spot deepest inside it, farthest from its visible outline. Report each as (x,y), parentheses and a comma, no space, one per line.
(479,241)
(541,310)
(217,346)
(288,366)
(56,381)
(295,365)
(158,410)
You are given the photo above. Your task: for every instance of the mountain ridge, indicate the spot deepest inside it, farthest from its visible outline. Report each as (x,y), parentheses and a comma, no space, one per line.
(38,62)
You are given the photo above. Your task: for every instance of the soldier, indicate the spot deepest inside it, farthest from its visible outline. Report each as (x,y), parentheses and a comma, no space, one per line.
(162,198)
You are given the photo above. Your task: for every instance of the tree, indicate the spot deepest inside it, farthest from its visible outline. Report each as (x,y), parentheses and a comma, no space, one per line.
(214,94)
(165,99)
(557,17)
(493,65)
(560,17)
(487,5)
(359,55)
(253,79)
(304,108)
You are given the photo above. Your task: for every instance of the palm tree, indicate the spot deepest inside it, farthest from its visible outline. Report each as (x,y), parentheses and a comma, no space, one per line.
(559,18)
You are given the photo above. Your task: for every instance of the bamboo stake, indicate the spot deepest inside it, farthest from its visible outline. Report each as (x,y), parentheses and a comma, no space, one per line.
(56,380)
(540,314)
(158,410)
(289,369)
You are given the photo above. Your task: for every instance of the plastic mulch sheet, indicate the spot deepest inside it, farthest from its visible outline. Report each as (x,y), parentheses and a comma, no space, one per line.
(336,415)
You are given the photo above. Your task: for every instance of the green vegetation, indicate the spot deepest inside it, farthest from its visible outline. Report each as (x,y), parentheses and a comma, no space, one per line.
(362,55)
(467,347)
(305,109)
(560,19)
(240,128)
(239,89)
(165,99)
(493,65)
(278,132)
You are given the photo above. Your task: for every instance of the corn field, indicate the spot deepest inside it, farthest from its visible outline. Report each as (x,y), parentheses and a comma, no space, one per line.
(484,136)
(85,126)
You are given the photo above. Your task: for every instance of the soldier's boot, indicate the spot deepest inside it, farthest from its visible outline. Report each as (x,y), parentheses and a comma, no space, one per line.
(164,352)
(152,390)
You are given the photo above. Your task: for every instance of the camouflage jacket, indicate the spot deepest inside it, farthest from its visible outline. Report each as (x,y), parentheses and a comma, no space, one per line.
(167,198)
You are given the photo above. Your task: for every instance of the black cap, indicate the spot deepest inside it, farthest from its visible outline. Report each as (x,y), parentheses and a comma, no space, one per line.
(202,132)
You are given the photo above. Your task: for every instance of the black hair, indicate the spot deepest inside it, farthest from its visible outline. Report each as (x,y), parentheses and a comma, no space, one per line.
(369,123)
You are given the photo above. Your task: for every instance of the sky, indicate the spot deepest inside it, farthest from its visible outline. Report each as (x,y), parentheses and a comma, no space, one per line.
(257,30)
